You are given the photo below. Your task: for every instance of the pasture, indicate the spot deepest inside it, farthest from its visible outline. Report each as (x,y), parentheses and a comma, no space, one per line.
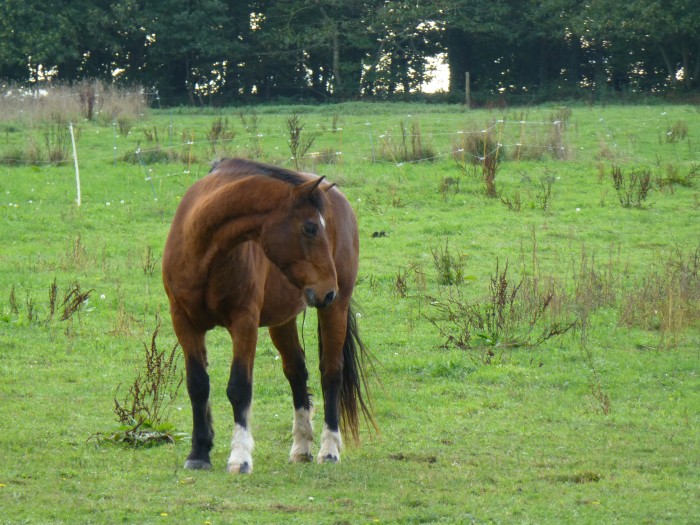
(588,412)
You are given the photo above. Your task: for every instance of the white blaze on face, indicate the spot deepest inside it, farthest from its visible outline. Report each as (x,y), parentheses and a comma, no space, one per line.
(322,221)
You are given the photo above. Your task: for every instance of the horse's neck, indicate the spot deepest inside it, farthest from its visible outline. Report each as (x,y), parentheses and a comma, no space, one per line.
(232,214)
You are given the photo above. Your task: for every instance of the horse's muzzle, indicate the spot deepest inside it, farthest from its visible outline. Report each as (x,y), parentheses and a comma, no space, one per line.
(319,302)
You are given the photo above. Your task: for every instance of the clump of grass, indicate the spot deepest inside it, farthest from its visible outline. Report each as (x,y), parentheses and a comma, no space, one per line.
(124,124)
(677,131)
(538,142)
(472,146)
(143,411)
(57,142)
(632,187)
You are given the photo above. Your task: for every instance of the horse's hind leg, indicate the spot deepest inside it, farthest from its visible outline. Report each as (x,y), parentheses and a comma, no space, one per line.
(192,342)
(286,340)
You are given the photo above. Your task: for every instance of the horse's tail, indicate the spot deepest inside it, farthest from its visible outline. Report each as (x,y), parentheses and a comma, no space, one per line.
(354,394)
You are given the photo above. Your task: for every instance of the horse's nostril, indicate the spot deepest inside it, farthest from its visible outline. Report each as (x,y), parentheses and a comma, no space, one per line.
(330,297)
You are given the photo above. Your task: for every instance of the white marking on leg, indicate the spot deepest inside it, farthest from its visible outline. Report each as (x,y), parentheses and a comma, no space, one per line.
(303,433)
(331,444)
(241,459)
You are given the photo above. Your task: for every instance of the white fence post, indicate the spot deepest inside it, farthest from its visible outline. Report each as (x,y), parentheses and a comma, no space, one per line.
(75,160)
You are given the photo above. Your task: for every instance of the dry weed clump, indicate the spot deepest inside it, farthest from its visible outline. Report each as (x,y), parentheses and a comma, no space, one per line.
(522,312)
(476,151)
(410,146)
(667,298)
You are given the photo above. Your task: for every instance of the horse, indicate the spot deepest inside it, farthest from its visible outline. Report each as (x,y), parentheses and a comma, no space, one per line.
(252,245)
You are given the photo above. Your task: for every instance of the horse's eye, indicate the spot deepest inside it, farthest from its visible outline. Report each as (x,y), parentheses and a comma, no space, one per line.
(310,229)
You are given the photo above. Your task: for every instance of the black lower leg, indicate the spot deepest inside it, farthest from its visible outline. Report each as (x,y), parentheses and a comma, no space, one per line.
(298,377)
(240,392)
(331,402)
(202,428)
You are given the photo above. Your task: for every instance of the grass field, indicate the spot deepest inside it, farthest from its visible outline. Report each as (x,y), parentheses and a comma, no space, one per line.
(481,422)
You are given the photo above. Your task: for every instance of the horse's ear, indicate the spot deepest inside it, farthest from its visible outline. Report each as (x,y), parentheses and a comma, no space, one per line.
(309,187)
(328,187)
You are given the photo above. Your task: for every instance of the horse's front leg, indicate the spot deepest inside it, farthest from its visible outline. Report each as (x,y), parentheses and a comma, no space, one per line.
(244,333)
(332,336)
(192,343)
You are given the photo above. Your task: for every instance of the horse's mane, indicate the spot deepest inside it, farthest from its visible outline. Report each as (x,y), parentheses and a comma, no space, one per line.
(239,166)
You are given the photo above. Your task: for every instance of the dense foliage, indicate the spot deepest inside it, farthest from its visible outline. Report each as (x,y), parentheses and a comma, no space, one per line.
(218,51)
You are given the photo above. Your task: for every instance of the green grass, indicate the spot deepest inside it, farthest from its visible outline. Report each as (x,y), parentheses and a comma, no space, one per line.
(522,440)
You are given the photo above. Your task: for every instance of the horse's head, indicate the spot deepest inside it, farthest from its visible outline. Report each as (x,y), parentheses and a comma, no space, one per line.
(297,241)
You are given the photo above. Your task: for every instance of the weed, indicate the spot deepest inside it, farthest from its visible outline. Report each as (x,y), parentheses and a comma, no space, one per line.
(53,296)
(73,300)
(13,301)
(515,204)
(449,267)
(147,403)
(218,135)
(673,175)
(299,143)
(545,195)
(32,315)
(403,275)
(149,263)
(517,313)
(595,385)
(632,187)
(448,185)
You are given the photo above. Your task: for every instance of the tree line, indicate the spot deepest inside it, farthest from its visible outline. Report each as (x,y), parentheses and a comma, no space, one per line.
(218,51)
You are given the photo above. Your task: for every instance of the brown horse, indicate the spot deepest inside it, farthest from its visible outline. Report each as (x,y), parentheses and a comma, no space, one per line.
(253,245)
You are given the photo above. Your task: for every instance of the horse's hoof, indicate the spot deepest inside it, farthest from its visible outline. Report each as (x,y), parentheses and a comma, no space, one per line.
(197,464)
(301,458)
(243,468)
(329,458)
